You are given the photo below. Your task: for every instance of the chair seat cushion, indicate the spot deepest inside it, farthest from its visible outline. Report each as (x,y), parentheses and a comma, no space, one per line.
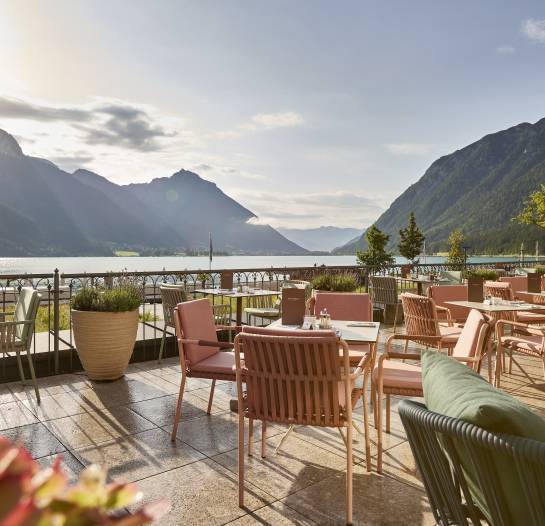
(222,363)
(528,343)
(449,335)
(530,317)
(256,311)
(400,374)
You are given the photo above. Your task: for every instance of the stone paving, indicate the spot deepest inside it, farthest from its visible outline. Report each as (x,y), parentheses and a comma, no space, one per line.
(125,426)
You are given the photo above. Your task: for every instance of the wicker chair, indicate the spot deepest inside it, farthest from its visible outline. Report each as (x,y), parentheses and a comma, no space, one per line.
(264,307)
(384,293)
(320,392)
(16,334)
(524,339)
(440,445)
(421,319)
(393,377)
(171,295)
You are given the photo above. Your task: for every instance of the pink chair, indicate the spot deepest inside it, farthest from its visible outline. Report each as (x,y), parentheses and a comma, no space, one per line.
(443,293)
(421,318)
(351,306)
(517,283)
(199,350)
(403,379)
(295,380)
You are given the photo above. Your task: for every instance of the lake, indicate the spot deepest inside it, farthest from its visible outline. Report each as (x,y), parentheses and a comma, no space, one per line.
(73,265)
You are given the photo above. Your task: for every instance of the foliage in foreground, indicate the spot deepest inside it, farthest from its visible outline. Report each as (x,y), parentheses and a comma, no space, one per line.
(411,240)
(42,497)
(123,298)
(375,255)
(533,212)
(335,282)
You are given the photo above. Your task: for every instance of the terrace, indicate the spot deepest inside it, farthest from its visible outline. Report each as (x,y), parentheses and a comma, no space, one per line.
(125,426)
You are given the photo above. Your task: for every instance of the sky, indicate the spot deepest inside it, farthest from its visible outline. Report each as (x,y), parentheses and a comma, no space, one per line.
(308,113)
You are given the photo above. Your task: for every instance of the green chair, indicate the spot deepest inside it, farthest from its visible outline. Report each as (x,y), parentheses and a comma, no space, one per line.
(16,334)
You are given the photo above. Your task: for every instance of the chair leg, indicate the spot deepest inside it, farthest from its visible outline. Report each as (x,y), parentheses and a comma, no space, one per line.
(379,428)
(366,425)
(395,317)
(510,362)
(20,366)
(349,469)
(210,400)
(374,403)
(388,401)
(240,458)
(283,439)
(406,348)
(33,375)
(162,347)
(250,435)
(263,439)
(499,360)
(178,409)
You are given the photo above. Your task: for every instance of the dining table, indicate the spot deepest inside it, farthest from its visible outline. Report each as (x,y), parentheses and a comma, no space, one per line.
(238,295)
(421,281)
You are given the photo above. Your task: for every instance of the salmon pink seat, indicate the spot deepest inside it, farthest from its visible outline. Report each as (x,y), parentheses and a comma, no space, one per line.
(391,377)
(443,293)
(200,350)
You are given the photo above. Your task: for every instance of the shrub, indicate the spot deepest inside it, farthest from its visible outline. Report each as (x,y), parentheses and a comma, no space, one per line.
(539,269)
(126,297)
(484,273)
(335,282)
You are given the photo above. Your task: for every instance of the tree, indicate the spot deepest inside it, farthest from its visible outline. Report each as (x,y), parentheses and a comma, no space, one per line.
(375,255)
(411,240)
(533,212)
(456,258)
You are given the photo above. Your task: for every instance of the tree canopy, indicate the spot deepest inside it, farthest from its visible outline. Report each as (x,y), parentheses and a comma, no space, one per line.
(375,255)
(533,212)
(411,240)
(456,257)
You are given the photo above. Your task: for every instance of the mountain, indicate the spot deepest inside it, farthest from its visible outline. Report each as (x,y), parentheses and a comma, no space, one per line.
(324,238)
(477,189)
(47,211)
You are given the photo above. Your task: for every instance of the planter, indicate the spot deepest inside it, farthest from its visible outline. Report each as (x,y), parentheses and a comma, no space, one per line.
(105,341)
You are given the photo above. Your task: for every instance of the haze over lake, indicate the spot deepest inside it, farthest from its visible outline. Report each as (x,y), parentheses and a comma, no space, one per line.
(72,265)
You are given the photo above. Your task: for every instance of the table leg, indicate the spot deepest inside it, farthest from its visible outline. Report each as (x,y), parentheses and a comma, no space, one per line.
(419,288)
(239,311)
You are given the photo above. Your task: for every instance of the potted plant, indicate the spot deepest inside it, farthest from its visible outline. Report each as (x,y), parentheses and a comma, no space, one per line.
(105,324)
(475,281)
(334,283)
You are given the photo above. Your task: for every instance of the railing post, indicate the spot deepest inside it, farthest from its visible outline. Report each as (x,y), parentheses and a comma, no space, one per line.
(56,319)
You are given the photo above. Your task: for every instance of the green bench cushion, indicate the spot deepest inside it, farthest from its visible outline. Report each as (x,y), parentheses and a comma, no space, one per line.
(453,389)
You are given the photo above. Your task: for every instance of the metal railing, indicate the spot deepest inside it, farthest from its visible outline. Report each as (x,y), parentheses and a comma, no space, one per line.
(53,338)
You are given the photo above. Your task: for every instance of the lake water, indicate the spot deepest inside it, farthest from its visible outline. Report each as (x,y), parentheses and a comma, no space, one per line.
(73,265)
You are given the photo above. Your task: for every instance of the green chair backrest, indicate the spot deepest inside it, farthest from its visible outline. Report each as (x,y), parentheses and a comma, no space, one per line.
(26,310)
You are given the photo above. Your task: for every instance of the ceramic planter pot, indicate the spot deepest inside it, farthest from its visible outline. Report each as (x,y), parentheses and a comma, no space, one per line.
(105,341)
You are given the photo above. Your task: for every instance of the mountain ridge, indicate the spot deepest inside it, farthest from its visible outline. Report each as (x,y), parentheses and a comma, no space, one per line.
(477,188)
(45,210)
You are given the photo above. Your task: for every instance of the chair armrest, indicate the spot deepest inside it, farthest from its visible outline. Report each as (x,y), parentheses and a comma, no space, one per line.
(206,343)
(401,356)
(411,337)
(445,310)
(470,359)
(530,329)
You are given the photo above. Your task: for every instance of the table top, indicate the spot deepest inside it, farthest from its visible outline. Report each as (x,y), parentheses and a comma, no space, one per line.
(348,332)
(504,307)
(230,294)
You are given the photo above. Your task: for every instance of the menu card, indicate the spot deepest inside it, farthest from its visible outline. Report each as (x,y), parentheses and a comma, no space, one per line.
(293,306)
(475,289)
(226,280)
(534,282)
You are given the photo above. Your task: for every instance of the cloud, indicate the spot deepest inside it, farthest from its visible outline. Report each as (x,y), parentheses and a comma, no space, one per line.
(277,120)
(262,122)
(409,148)
(534,30)
(309,210)
(113,123)
(72,161)
(505,50)
(11,108)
